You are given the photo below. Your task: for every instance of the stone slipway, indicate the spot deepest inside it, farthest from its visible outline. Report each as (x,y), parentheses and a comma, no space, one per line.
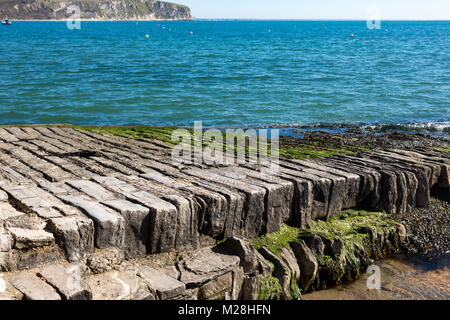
(67,193)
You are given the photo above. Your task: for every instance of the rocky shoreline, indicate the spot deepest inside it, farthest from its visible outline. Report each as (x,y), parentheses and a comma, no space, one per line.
(427,229)
(106,211)
(231,270)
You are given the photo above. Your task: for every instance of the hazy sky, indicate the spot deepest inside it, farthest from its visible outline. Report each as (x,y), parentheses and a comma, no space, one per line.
(319,9)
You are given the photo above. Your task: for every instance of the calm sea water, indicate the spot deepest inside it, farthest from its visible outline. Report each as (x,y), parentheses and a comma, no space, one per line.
(227,73)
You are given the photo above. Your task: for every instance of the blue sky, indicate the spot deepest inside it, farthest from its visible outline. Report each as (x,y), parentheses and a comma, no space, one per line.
(319,9)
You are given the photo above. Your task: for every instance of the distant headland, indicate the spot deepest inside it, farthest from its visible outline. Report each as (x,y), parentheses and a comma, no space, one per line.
(94,10)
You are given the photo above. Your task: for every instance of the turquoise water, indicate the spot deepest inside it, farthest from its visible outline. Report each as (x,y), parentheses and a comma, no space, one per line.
(227,73)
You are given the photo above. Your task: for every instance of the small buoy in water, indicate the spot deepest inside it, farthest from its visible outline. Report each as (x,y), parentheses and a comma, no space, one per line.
(352,35)
(191,32)
(147,36)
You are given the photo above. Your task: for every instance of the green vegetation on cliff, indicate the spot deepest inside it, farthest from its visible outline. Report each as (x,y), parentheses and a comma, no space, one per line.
(94,9)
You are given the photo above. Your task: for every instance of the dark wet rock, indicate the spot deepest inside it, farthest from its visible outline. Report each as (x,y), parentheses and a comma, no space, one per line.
(245,251)
(251,260)
(281,272)
(427,230)
(238,281)
(28,259)
(250,288)
(315,243)
(307,263)
(333,247)
(288,256)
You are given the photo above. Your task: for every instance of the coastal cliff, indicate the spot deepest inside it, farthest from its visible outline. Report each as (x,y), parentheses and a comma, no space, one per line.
(94,10)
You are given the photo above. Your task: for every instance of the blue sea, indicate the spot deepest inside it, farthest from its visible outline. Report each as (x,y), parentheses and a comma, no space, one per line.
(226,73)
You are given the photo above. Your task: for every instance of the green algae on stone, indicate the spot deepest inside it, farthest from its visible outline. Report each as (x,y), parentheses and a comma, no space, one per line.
(444,148)
(269,288)
(163,134)
(345,229)
(357,229)
(309,151)
(278,240)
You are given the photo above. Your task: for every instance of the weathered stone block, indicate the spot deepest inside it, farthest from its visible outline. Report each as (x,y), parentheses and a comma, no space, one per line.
(163,215)
(8,212)
(216,288)
(187,222)
(33,258)
(279,194)
(281,271)
(6,240)
(315,244)
(92,189)
(250,288)
(75,235)
(289,259)
(205,265)
(3,196)
(137,226)
(164,286)
(25,221)
(68,281)
(170,271)
(34,288)
(254,218)
(245,251)
(238,280)
(30,198)
(163,221)
(109,225)
(8,291)
(26,238)
(307,263)
(115,285)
